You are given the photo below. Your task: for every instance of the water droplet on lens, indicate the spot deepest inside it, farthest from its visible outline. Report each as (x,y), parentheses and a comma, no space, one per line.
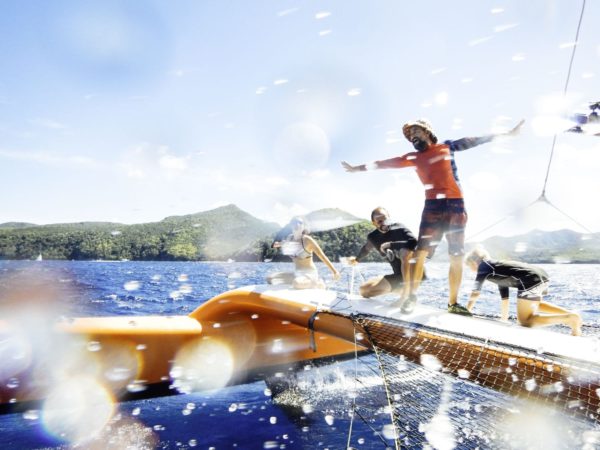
(31,414)
(94,346)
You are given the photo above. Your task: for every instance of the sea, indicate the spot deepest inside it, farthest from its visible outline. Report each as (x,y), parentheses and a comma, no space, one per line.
(316,413)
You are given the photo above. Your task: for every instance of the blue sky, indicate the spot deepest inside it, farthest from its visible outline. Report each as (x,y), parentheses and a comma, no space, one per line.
(134,111)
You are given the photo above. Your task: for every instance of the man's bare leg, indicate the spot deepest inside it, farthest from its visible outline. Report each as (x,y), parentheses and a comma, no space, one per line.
(417,270)
(455,277)
(407,262)
(374,287)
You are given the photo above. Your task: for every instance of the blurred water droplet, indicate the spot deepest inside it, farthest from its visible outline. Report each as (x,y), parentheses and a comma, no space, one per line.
(140,347)
(530,384)
(307,409)
(431,362)
(136,387)
(135,412)
(233,407)
(12,383)
(185,289)
(273,420)
(31,414)
(186,412)
(94,346)
(329,419)
(389,432)
(268,392)
(192,442)
(190,406)
(131,285)
(118,374)
(462,373)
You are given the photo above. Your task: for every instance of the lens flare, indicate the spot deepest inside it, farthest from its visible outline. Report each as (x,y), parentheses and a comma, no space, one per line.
(202,365)
(77,409)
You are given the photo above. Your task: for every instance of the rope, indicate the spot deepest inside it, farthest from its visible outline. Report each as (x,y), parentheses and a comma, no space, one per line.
(387,388)
(565,91)
(355,382)
(542,197)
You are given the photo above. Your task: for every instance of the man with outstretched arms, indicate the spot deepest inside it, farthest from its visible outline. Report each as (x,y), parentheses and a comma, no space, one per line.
(444,213)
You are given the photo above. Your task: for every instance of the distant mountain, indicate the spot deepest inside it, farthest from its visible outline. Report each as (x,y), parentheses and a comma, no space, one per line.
(214,234)
(17,225)
(547,247)
(228,232)
(227,229)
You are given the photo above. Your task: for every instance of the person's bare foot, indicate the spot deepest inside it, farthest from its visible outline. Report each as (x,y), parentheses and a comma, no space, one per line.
(575,323)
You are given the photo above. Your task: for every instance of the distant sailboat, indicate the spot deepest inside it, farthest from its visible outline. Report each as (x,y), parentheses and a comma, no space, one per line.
(39,257)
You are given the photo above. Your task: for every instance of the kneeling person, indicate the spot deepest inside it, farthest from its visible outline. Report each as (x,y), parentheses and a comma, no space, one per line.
(531,283)
(394,241)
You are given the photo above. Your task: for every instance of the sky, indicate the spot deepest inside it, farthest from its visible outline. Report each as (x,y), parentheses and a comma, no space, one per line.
(134,111)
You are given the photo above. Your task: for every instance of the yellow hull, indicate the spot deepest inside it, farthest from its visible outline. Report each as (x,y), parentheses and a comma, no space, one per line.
(228,337)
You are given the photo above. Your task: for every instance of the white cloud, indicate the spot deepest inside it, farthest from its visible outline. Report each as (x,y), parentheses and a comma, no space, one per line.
(147,161)
(48,123)
(277,181)
(49,158)
(171,162)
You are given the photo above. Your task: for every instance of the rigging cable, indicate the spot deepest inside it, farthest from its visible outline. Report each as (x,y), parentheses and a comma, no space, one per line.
(542,197)
(564,93)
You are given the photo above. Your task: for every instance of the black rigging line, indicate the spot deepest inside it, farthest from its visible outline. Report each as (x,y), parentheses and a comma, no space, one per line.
(542,198)
(564,94)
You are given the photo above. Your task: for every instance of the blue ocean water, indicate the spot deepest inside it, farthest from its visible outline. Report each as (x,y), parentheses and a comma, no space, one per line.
(316,415)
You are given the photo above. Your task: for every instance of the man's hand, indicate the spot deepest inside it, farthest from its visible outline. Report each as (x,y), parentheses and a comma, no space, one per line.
(385,246)
(350,168)
(516,130)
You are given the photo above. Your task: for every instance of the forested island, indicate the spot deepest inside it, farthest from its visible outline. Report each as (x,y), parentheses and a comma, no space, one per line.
(229,233)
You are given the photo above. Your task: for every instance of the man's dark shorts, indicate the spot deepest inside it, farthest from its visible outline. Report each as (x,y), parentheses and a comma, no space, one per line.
(443,217)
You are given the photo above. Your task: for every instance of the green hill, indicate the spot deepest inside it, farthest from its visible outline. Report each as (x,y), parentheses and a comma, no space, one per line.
(207,235)
(228,232)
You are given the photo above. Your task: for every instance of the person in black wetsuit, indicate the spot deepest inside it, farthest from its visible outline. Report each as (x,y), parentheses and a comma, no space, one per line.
(397,243)
(531,283)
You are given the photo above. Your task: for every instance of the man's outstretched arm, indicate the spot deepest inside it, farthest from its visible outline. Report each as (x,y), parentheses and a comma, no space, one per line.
(470,142)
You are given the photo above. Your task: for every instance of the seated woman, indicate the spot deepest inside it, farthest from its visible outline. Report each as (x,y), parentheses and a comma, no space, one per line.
(531,283)
(300,247)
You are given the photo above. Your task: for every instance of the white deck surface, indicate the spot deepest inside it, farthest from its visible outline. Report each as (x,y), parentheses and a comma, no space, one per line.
(538,340)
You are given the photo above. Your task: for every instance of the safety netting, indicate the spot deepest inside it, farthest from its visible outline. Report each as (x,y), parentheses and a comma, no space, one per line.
(423,387)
